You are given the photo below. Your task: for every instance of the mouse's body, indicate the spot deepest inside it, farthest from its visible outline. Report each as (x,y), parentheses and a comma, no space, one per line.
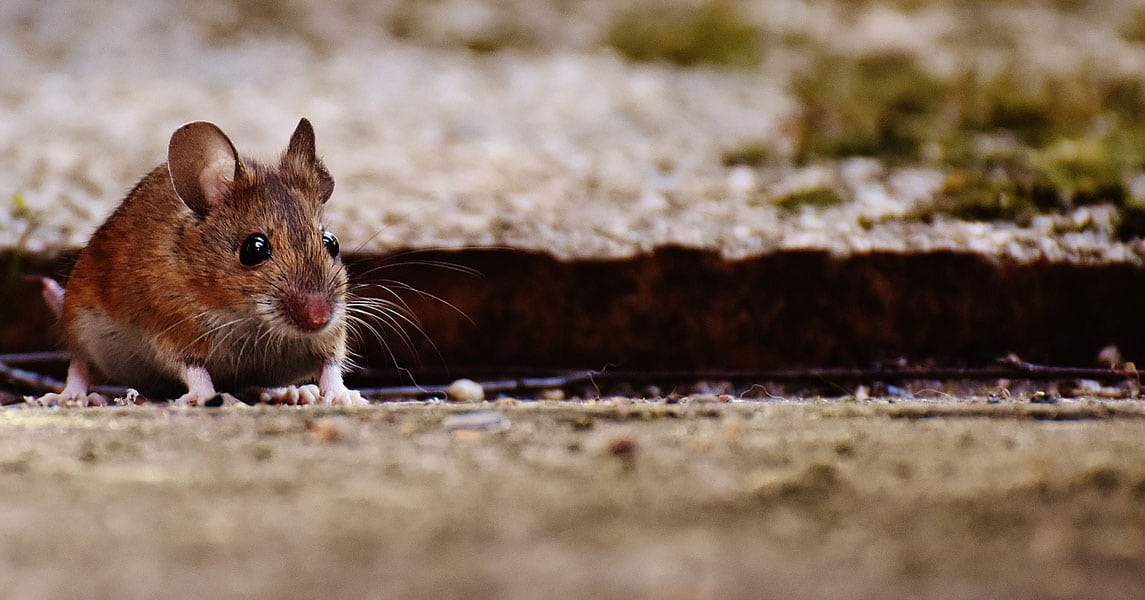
(214,271)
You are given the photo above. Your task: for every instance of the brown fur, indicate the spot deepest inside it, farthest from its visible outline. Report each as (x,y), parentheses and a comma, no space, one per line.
(150,291)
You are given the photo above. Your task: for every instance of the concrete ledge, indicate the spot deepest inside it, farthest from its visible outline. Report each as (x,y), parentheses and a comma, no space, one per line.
(681,309)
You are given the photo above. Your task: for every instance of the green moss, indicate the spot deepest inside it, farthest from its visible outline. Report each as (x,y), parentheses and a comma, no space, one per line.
(31,220)
(415,20)
(1019,188)
(752,154)
(883,104)
(1003,102)
(706,32)
(1039,112)
(1020,145)
(232,22)
(498,38)
(888,105)
(1132,222)
(974,195)
(795,39)
(907,6)
(814,198)
(914,5)
(485,44)
(1133,29)
(1083,172)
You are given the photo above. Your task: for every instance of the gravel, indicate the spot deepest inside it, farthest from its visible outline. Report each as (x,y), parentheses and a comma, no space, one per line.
(554,143)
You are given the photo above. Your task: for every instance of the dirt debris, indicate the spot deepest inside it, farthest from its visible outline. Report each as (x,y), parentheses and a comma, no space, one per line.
(800,499)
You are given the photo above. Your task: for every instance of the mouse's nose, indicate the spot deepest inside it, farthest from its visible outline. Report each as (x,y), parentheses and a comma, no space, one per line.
(309,311)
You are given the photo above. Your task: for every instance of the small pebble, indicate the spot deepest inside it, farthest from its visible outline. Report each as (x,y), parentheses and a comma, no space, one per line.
(465,390)
(1110,357)
(129,398)
(553,394)
(1087,387)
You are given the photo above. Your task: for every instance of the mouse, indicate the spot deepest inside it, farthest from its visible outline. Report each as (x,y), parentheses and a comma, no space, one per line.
(216,272)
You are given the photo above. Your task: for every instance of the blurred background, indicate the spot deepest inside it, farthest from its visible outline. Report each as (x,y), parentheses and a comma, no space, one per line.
(603,128)
(980,136)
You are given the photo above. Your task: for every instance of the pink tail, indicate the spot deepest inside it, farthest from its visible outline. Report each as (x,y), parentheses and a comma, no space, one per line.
(53,294)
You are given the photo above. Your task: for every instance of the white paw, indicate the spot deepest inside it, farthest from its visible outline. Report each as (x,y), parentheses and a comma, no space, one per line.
(67,399)
(210,401)
(188,399)
(304,394)
(344,397)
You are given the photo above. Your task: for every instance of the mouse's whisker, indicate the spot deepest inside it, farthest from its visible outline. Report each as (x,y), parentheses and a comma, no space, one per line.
(249,344)
(159,348)
(356,325)
(204,332)
(393,316)
(338,279)
(390,284)
(436,264)
(397,300)
(359,322)
(182,321)
(392,320)
(381,306)
(209,332)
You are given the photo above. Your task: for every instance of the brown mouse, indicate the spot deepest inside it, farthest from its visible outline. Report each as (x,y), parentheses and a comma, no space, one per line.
(215,271)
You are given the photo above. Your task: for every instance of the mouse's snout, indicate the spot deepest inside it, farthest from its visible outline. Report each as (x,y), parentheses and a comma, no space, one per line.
(309,311)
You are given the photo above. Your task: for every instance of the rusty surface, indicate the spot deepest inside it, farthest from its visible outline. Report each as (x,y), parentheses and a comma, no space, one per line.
(690,309)
(683,309)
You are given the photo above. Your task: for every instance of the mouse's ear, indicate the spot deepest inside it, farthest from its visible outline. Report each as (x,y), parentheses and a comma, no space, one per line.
(301,151)
(301,145)
(203,163)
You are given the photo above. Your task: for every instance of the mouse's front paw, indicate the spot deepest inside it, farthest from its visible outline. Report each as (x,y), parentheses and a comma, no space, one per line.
(217,400)
(302,394)
(344,397)
(67,399)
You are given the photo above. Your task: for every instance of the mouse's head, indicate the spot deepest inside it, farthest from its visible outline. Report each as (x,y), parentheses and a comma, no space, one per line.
(257,241)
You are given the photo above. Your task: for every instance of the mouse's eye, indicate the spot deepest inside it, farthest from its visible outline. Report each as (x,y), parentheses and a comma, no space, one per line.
(331,244)
(255,250)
